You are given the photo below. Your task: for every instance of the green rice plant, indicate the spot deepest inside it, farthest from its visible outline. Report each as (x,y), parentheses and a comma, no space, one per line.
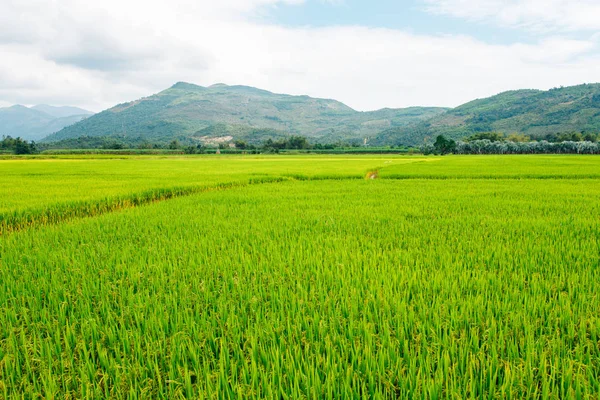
(345,288)
(19,220)
(498,167)
(36,191)
(33,183)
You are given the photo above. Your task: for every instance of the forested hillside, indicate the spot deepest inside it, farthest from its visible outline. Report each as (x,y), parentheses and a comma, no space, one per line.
(194,113)
(534,113)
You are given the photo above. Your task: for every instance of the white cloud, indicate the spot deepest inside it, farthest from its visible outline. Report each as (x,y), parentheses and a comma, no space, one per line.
(98,54)
(535,15)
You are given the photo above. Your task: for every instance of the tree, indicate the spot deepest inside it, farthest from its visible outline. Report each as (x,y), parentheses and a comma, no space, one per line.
(297,143)
(491,136)
(443,145)
(114,145)
(22,147)
(541,147)
(518,138)
(18,145)
(570,137)
(240,144)
(174,145)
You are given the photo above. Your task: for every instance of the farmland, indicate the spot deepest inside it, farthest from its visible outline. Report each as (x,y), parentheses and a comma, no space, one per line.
(294,276)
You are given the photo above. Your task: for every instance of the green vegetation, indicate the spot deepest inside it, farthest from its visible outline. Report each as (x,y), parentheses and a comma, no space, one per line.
(100,144)
(208,116)
(496,143)
(37,185)
(17,146)
(541,147)
(443,145)
(520,138)
(533,113)
(194,114)
(447,277)
(494,167)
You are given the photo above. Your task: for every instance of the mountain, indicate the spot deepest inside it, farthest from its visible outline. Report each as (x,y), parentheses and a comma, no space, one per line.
(531,112)
(194,113)
(61,112)
(37,122)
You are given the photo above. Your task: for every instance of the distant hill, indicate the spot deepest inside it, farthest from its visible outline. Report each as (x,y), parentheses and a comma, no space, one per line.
(200,114)
(196,114)
(531,112)
(37,122)
(61,112)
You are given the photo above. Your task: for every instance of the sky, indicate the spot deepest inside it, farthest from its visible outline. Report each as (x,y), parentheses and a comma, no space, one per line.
(368,54)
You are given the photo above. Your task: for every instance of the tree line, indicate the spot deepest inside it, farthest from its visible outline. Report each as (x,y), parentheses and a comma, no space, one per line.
(267,146)
(549,137)
(479,143)
(497,143)
(17,145)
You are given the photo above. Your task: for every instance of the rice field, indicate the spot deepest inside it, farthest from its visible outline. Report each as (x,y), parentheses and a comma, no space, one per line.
(446,277)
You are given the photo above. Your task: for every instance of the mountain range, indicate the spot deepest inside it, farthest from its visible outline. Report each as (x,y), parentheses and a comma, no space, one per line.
(35,123)
(195,114)
(534,113)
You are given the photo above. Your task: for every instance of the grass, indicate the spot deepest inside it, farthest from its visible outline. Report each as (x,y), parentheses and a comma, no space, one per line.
(38,190)
(328,288)
(498,167)
(27,183)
